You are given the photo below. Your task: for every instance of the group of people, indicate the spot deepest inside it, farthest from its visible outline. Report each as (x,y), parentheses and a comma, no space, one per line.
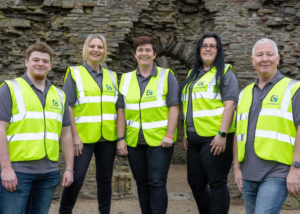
(138,118)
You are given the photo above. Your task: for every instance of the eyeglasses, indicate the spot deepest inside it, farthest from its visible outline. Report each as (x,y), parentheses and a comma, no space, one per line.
(205,46)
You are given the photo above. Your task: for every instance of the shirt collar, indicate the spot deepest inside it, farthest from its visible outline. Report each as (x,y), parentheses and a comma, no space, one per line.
(90,69)
(278,76)
(26,78)
(153,72)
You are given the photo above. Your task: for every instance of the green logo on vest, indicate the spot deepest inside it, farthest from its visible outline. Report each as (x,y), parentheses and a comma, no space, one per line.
(274,98)
(55,103)
(149,92)
(108,87)
(201,83)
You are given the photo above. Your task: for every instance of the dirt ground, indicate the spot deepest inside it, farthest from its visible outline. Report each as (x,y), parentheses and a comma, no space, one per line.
(180,199)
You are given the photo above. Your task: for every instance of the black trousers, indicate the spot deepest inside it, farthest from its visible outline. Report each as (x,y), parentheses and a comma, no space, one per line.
(104,154)
(150,167)
(203,169)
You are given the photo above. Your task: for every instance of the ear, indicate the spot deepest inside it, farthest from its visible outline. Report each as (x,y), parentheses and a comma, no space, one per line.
(154,55)
(278,59)
(26,62)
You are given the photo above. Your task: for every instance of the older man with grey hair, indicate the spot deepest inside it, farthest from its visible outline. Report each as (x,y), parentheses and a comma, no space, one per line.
(267,142)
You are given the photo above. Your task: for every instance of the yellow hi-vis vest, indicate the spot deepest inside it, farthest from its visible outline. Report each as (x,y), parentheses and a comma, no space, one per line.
(95,110)
(149,111)
(207,105)
(275,130)
(33,132)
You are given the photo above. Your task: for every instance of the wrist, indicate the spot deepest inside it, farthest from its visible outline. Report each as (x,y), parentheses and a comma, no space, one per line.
(68,169)
(223,134)
(170,136)
(120,139)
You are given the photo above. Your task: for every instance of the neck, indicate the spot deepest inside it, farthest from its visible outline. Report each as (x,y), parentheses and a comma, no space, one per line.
(145,71)
(206,67)
(262,80)
(40,84)
(94,65)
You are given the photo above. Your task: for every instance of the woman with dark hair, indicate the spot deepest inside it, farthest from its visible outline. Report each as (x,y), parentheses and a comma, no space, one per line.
(92,93)
(149,110)
(209,96)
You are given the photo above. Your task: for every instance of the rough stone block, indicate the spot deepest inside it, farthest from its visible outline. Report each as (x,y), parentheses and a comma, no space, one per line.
(68,4)
(47,3)
(24,23)
(251,6)
(18,2)
(290,10)
(4,23)
(235,46)
(241,23)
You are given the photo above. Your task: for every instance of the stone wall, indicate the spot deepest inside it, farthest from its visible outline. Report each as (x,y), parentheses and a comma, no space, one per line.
(176,25)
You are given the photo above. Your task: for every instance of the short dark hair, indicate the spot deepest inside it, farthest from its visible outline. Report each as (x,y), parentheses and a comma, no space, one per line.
(40,47)
(144,40)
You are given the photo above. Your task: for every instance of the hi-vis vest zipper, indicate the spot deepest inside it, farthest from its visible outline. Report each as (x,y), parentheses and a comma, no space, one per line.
(33,132)
(206,104)
(149,111)
(95,110)
(275,130)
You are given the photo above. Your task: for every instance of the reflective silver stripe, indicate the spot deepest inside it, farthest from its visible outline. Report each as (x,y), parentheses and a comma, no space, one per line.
(278,113)
(27,115)
(126,84)
(109,116)
(106,98)
(112,77)
(207,95)
(78,81)
(208,113)
(184,97)
(53,115)
(62,101)
(19,96)
(132,106)
(160,86)
(157,124)
(88,119)
(287,95)
(133,124)
(242,116)
(275,135)
(33,136)
(184,115)
(211,84)
(153,104)
(241,95)
(241,137)
(91,99)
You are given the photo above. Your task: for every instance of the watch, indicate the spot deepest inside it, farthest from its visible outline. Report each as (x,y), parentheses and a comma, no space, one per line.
(120,138)
(223,134)
(296,164)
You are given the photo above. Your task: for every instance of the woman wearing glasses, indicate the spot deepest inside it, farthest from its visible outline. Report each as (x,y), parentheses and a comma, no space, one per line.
(209,96)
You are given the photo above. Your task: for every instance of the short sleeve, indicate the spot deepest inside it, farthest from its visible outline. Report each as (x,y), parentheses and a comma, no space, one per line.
(120,102)
(173,91)
(296,109)
(230,88)
(6,103)
(66,117)
(70,89)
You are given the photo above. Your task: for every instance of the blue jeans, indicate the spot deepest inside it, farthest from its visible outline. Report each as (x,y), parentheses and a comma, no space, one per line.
(265,197)
(150,167)
(33,194)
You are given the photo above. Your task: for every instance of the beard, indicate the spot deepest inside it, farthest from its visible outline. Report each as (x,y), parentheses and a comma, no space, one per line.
(39,76)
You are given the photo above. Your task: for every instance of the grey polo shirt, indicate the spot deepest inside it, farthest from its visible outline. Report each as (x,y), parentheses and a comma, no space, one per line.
(253,167)
(70,87)
(172,98)
(230,91)
(40,166)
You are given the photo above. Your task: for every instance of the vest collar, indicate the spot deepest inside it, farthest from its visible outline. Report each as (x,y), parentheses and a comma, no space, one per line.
(90,69)
(278,76)
(153,72)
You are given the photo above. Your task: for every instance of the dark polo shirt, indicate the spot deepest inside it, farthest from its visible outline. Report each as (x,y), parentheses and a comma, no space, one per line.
(40,166)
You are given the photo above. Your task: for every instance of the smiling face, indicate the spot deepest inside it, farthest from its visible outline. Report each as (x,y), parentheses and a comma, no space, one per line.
(38,65)
(208,54)
(265,60)
(145,55)
(95,51)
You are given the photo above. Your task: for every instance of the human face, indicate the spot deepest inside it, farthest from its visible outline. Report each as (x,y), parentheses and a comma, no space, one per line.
(95,51)
(208,54)
(38,65)
(265,60)
(145,55)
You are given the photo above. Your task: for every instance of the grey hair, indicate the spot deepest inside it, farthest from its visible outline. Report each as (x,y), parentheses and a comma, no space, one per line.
(87,42)
(265,41)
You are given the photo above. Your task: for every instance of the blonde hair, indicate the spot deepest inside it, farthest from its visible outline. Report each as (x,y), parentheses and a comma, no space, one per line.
(87,42)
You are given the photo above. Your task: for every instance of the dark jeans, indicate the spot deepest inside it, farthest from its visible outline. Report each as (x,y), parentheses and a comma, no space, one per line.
(33,195)
(104,154)
(150,167)
(206,169)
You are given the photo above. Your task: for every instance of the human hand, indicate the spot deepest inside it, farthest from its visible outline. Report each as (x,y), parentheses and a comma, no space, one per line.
(293,181)
(185,143)
(218,145)
(238,178)
(166,142)
(78,146)
(122,147)
(68,178)
(9,179)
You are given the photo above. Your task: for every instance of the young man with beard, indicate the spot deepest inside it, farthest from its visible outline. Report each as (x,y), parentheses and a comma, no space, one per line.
(34,121)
